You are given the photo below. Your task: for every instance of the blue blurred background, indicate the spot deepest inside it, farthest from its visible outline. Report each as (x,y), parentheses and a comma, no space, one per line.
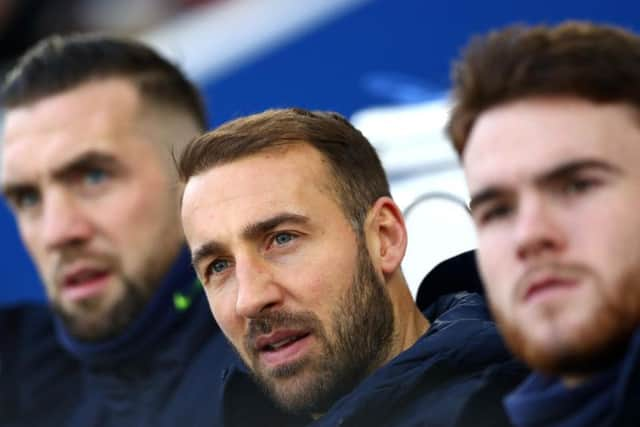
(249,55)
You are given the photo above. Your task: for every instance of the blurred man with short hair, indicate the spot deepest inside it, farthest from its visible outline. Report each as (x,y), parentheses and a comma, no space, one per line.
(90,126)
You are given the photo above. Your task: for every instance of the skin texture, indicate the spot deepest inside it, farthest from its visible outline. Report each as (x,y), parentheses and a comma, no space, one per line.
(279,260)
(554,185)
(94,195)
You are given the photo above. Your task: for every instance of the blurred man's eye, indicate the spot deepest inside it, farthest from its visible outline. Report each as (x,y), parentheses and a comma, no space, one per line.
(491,213)
(29,199)
(25,199)
(95,176)
(579,185)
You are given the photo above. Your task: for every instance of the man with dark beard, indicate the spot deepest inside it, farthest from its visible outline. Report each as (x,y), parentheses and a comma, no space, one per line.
(545,120)
(89,129)
(298,244)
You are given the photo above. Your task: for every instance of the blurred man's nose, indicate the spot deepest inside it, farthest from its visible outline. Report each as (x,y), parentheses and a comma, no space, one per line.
(63,220)
(537,230)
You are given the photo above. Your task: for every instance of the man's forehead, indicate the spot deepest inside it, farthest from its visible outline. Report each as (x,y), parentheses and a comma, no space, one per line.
(226,219)
(529,137)
(95,112)
(281,165)
(116,95)
(253,188)
(244,182)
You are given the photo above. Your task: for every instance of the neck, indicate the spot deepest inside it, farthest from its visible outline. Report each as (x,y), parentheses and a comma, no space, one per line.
(625,354)
(410,323)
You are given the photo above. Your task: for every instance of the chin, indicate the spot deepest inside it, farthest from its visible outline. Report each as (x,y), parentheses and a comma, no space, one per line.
(578,352)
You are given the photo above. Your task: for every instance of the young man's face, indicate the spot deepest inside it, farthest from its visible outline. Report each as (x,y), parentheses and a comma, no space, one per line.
(95,202)
(555,188)
(288,280)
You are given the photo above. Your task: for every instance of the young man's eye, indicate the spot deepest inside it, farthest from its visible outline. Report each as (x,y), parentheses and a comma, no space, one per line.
(576,186)
(494,213)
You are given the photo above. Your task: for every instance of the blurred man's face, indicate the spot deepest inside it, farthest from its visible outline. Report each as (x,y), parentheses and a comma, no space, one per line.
(95,202)
(555,188)
(288,280)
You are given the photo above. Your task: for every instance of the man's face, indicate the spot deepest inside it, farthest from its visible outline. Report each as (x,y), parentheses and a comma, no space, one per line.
(555,188)
(95,203)
(288,280)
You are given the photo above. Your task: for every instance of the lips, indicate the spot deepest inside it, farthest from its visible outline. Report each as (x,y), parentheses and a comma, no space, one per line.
(83,276)
(279,339)
(82,282)
(545,284)
(283,346)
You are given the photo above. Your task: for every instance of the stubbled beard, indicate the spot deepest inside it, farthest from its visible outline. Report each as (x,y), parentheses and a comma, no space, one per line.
(591,348)
(84,325)
(363,326)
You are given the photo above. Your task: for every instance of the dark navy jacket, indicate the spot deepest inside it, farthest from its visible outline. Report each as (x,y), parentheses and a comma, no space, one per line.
(38,379)
(455,375)
(168,368)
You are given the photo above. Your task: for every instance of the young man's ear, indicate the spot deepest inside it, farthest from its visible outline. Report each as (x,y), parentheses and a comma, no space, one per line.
(387,235)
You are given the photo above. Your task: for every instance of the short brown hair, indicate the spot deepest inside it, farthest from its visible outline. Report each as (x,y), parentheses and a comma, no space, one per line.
(597,62)
(359,176)
(58,63)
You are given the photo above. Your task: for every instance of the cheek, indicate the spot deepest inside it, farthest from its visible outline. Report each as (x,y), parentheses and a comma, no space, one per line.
(139,218)
(498,296)
(317,283)
(613,248)
(618,267)
(492,256)
(222,305)
(496,273)
(29,235)
(140,207)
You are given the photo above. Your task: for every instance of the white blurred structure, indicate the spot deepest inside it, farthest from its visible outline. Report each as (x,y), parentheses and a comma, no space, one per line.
(422,168)
(214,39)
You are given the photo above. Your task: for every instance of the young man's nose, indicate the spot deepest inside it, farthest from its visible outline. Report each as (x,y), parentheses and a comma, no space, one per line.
(537,230)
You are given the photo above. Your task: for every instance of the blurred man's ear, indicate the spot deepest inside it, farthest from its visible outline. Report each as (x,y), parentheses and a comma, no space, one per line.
(386,235)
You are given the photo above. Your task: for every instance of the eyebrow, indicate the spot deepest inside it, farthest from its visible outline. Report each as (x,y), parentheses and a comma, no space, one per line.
(249,232)
(86,161)
(255,230)
(205,251)
(81,163)
(557,173)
